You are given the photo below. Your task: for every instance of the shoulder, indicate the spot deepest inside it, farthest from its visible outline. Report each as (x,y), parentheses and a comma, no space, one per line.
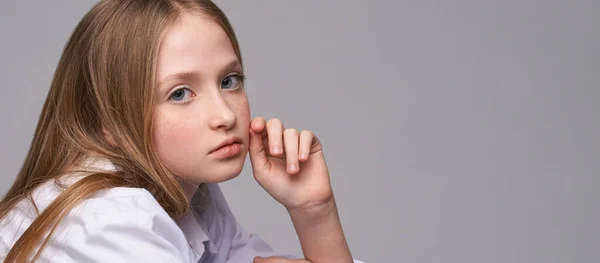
(125,218)
(102,203)
(122,208)
(122,200)
(118,225)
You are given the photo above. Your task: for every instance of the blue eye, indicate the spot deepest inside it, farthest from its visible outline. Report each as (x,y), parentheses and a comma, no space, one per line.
(231,82)
(181,95)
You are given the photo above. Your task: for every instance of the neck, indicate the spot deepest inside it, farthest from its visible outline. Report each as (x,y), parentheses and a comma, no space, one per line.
(189,188)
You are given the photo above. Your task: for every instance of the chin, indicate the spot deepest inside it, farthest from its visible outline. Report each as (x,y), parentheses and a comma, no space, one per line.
(223,172)
(219,178)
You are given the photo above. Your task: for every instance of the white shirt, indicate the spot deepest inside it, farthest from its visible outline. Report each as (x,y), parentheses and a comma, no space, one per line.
(128,225)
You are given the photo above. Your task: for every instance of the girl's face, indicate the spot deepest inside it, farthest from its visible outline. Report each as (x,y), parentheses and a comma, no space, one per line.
(201,103)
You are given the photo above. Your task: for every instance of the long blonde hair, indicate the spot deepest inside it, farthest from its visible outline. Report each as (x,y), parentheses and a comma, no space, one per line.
(104,84)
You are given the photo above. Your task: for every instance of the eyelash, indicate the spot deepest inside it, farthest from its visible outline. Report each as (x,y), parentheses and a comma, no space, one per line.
(241,78)
(183,88)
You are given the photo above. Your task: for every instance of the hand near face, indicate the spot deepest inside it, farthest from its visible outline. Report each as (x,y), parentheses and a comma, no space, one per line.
(289,165)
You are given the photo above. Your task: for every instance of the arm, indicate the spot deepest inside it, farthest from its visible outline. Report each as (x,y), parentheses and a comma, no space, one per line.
(320,233)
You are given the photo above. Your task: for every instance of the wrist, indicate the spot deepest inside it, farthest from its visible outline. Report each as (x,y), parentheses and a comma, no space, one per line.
(320,232)
(314,213)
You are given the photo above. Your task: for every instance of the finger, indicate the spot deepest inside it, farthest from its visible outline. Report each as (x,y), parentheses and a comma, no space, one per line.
(306,140)
(290,138)
(258,155)
(275,135)
(257,124)
(278,260)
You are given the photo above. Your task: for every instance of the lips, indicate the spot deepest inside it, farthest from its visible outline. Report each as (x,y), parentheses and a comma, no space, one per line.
(227,142)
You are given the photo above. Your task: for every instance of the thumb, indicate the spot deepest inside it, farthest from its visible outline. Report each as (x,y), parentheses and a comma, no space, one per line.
(256,148)
(278,260)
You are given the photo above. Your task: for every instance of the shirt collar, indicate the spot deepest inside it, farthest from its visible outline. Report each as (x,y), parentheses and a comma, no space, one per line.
(194,233)
(202,208)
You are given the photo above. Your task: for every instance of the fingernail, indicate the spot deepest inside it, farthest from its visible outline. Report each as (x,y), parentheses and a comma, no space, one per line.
(257,258)
(276,149)
(304,155)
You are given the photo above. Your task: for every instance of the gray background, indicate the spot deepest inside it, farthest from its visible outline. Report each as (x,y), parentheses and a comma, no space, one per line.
(455,131)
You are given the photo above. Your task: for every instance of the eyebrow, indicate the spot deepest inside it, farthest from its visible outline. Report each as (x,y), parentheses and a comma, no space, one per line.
(195,75)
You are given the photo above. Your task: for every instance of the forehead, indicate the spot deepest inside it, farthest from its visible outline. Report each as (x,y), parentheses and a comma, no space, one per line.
(196,43)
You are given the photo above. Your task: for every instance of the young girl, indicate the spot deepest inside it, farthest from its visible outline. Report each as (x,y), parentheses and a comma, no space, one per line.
(146,114)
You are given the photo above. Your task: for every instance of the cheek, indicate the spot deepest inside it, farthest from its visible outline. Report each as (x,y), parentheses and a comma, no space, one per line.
(243,112)
(176,138)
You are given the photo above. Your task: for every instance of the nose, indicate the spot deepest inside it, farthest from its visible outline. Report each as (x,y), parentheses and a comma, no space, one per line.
(222,116)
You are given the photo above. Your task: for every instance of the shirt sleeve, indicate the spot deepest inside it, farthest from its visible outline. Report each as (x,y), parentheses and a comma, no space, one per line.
(119,229)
